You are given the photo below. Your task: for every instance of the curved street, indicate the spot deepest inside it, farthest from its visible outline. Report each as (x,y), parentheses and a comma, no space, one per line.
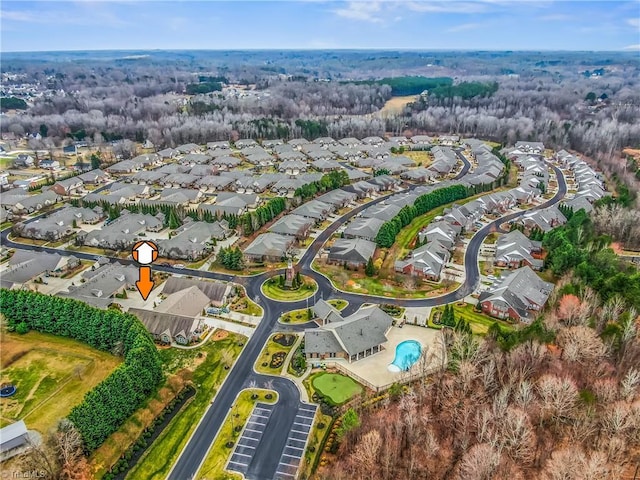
(265,462)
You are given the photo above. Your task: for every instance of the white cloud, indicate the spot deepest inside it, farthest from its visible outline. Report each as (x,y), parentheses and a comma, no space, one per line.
(463,27)
(634,22)
(92,13)
(447,7)
(632,47)
(364,11)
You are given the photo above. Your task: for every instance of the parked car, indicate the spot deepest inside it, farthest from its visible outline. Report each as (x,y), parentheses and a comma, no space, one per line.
(178,266)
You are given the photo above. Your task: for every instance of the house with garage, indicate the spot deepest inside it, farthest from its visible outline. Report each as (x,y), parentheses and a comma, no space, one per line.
(352,252)
(545,219)
(315,209)
(217,292)
(168,328)
(365,228)
(33,203)
(168,154)
(382,211)
(25,266)
(94,177)
(100,285)
(68,186)
(426,261)
(193,240)
(421,140)
(123,232)
(519,296)
(515,250)
(352,338)
(220,145)
(58,224)
(297,143)
(188,148)
(536,148)
(442,231)
(292,224)
(269,247)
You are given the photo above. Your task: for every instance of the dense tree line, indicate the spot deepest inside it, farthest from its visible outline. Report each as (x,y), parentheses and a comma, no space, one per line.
(12,103)
(252,221)
(113,400)
(465,90)
(330,181)
(401,86)
(203,87)
(231,258)
(424,203)
(576,246)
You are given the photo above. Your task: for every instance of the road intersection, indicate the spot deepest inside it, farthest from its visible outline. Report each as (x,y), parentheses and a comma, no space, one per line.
(269,459)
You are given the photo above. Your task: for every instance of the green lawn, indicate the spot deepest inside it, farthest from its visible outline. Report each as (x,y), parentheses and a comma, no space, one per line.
(316,440)
(247,306)
(336,387)
(208,374)
(271,288)
(297,316)
(338,303)
(266,356)
(216,459)
(478,321)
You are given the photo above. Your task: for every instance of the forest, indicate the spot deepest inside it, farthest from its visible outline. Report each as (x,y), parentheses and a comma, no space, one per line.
(502,96)
(113,400)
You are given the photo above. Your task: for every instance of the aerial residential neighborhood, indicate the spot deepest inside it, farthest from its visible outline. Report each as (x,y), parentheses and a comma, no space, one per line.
(243,241)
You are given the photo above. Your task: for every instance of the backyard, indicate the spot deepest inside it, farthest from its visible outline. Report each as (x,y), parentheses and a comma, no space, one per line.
(52,375)
(478,321)
(206,368)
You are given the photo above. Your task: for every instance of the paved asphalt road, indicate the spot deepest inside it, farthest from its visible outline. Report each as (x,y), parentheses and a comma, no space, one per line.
(265,461)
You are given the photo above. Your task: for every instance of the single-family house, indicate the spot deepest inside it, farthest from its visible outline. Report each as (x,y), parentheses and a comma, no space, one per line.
(518,296)
(353,252)
(269,247)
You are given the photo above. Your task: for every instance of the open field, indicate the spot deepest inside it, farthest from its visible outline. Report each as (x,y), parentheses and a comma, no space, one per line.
(216,459)
(297,316)
(336,387)
(266,362)
(358,282)
(204,367)
(52,375)
(396,104)
(421,157)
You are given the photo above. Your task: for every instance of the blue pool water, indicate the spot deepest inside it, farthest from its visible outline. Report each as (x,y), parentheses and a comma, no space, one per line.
(407,353)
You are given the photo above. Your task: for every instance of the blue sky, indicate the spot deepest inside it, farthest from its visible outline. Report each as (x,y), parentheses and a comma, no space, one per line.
(312,24)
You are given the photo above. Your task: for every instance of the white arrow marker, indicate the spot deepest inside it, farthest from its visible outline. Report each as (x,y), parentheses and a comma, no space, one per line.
(145,254)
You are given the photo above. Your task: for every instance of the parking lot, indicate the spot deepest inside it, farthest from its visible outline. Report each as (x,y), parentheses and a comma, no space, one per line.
(296,443)
(250,438)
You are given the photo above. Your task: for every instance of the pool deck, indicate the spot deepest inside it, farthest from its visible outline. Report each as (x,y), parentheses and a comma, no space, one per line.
(373,369)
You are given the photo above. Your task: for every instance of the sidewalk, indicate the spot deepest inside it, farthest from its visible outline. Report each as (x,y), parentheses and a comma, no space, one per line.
(227,325)
(297,380)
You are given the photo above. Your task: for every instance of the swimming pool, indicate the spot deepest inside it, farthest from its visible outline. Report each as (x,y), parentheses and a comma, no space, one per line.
(407,353)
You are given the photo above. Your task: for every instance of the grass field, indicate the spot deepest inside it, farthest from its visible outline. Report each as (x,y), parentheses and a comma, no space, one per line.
(216,459)
(247,306)
(358,282)
(396,104)
(421,157)
(336,387)
(206,372)
(267,352)
(271,288)
(52,375)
